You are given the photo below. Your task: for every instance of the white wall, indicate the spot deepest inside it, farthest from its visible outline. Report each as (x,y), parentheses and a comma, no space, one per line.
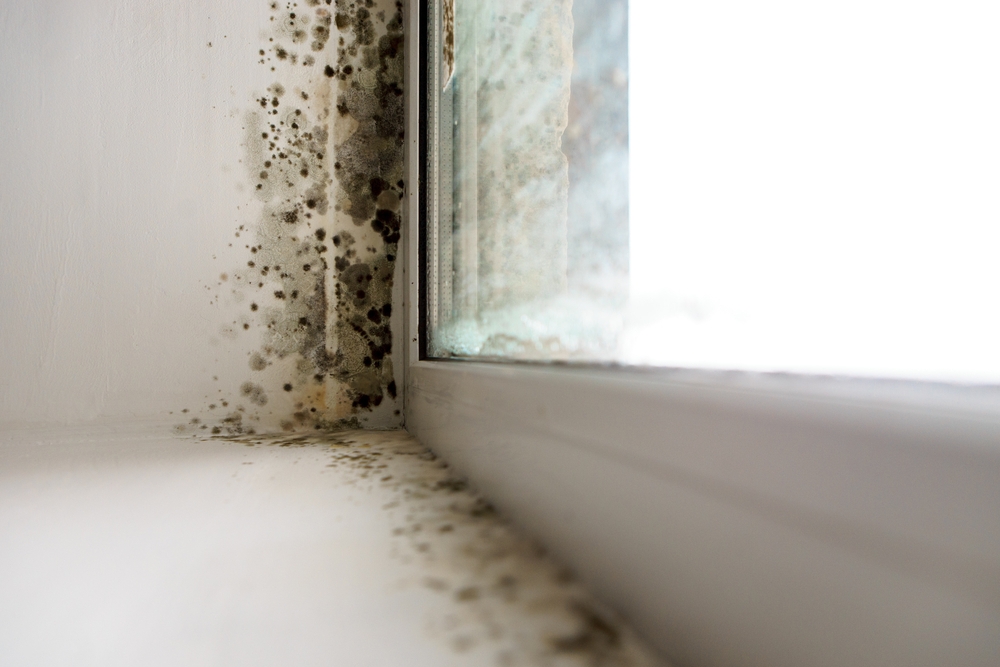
(118,182)
(120,190)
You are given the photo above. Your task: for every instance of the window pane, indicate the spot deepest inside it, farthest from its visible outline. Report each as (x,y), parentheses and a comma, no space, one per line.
(772,186)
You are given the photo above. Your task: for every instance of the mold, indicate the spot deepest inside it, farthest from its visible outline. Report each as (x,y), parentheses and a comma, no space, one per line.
(498,597)
(321,312)
(369,75)
(254,392)
(257,362)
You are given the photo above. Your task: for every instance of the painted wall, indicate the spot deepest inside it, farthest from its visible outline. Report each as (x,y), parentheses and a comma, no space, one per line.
(128,213)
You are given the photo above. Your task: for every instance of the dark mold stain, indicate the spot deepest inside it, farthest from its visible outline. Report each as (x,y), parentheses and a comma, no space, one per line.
(596,635)
(326,337)
(500,592)
(254,392)
(369,75)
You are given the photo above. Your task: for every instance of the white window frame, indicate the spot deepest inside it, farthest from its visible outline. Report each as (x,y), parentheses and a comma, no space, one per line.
(733,518)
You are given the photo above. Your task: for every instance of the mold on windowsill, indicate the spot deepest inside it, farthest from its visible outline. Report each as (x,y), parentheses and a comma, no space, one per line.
(504,601)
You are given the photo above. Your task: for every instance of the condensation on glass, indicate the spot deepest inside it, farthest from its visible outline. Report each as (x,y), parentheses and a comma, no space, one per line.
(527,227)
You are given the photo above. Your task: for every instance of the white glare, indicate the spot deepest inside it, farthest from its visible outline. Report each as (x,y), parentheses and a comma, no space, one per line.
(814,187)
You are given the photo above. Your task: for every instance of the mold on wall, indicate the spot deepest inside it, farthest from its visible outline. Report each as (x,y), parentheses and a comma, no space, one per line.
(369,172)
(185,201)
(323,157)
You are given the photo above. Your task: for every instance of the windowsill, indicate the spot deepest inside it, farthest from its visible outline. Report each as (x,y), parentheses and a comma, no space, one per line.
(728,512)
(134,545)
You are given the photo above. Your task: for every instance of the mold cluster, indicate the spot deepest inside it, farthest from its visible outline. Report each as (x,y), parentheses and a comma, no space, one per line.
(369,170)
(505,601)
(323,152)
(287,158)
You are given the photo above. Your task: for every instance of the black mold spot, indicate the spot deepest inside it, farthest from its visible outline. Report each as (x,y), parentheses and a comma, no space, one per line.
(257,362)
(452,485)
(286,153)
(377,187)
(596,635)
(254,392)
(367,163)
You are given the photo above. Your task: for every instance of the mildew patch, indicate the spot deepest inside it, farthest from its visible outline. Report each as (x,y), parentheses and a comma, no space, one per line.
(368,75)
(500,599)
(323,153)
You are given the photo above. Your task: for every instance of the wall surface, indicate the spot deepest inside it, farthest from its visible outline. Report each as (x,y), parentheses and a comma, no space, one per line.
(130,217)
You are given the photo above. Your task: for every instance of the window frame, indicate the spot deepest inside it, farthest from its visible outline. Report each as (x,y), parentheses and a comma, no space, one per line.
(732,517)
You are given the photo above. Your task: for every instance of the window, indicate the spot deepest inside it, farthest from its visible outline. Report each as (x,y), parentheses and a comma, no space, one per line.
(759,187)
(737,517)
(528,180)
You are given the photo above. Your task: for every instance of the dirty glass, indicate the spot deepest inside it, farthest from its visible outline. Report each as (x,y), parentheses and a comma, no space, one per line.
(771,186)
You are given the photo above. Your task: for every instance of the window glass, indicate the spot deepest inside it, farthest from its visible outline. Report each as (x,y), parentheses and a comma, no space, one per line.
(775,186)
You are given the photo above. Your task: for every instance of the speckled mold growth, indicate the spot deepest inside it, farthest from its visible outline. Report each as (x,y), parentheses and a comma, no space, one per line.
(323,152)
(368,77)
(503,600)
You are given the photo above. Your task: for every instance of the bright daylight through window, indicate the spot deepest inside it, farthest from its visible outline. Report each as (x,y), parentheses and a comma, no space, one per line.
(773,186)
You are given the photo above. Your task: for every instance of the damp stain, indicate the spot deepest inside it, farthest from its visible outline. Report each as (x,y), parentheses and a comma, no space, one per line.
(323,154)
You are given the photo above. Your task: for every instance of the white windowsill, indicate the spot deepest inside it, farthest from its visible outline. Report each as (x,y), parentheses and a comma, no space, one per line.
(743,519)
(131,545)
